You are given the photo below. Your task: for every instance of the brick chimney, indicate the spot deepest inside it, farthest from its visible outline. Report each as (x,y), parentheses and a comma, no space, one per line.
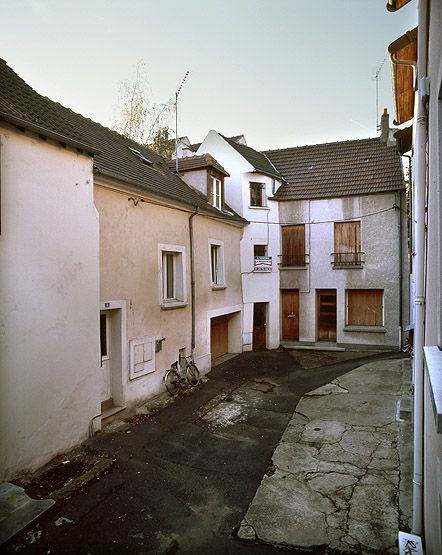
(385,126)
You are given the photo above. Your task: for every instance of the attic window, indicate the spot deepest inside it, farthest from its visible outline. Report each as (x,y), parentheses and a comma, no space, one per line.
(140,156)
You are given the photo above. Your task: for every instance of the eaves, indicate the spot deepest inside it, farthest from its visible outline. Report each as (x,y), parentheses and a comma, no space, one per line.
(22,124)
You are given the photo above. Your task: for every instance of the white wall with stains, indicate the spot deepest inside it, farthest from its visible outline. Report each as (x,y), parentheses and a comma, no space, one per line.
(49,338)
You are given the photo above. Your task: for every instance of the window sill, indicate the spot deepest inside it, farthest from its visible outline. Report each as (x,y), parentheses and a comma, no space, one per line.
(170,305)
(433,364)
(347,266)
(293,267)
(366,329)
(216,287)
(259,208)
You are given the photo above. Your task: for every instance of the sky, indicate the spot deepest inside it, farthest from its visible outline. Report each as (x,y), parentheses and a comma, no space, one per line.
(281,72)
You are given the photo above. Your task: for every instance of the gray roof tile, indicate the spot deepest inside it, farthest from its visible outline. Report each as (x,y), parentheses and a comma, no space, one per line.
(333,170)
(114,159)
(190,163)
(258,160)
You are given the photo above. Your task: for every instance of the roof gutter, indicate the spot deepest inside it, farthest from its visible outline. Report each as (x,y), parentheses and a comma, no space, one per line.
(24,124)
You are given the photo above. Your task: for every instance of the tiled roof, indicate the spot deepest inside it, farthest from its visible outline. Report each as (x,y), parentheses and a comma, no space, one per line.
(193,147)
(332,170)
(197,163)
(258,160)
(114,158)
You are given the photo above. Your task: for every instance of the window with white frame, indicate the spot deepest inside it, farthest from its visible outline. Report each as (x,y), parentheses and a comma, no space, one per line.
(216,192)
(216,263)
(172,275)
(257,194)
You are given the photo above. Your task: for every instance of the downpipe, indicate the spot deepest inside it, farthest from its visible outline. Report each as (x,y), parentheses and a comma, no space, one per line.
(419,300)
(192,282)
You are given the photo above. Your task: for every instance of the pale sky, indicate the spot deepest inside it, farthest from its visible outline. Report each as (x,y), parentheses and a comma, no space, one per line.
(281,72)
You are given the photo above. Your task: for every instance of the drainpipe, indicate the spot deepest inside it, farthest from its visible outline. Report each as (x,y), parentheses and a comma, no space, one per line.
(192,281)
(401,280)
(419,299)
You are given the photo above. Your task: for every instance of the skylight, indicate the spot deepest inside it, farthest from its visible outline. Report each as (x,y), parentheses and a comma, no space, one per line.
(140,156)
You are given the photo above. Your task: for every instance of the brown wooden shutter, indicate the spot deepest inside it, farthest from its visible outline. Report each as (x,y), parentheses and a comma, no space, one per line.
(293,245)
(364,307)
(347,237)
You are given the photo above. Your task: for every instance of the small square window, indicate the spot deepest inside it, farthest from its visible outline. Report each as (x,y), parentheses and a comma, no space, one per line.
(257,194)
(259,250)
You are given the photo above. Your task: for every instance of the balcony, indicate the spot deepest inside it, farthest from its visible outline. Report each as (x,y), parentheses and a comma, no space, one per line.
(342,260)
(293,260)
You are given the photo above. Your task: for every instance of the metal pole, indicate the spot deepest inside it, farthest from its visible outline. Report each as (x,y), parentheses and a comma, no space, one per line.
(176,132)
(176,120)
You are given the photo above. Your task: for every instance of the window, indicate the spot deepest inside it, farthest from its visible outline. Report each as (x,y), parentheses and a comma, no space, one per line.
(293,245)
(172,275)
(259,250)
(216,263)
(257,194)
(215,192)
(347,244)
(365,307)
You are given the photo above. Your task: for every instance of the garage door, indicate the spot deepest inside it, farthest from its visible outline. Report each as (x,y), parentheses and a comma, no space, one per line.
(219,336)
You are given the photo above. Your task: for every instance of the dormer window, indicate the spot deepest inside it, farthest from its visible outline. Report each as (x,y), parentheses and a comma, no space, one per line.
(215,192)
(257,194)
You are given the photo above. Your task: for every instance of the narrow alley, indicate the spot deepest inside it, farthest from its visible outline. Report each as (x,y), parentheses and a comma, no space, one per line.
(184,477)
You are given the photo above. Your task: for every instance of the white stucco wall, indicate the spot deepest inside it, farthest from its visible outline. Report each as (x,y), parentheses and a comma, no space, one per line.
(49,289)
(233,163)
(379,242)
(433,308)
(130,237)
(262,230)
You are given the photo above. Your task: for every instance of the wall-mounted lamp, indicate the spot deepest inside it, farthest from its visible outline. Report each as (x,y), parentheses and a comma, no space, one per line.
(159,344)
(136,200)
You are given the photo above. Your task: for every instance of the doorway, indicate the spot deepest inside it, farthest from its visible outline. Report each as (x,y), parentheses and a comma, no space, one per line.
(105,370)
(290,314)
(219,336)
(259,326)
(326,314)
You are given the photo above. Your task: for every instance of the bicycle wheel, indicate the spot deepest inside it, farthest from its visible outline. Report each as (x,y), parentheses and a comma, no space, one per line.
(193,374)
(172,381)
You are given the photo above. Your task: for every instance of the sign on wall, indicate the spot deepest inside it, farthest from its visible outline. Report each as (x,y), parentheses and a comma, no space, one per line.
(263,264)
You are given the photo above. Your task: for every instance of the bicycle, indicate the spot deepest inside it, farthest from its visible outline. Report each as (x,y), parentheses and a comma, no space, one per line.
(176,377)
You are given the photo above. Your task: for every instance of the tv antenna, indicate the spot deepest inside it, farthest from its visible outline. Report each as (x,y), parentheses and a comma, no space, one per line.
(377,77)
(176,119)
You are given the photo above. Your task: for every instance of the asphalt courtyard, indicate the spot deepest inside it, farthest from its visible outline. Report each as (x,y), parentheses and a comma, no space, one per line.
(185,476)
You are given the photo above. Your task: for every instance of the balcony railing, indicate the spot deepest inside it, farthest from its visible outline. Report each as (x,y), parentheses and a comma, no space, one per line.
(347,259)
(290,260)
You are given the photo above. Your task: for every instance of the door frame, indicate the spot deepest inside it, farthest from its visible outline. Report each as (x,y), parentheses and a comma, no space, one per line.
(327,291)
(265,311)
(283,292)
(118,362)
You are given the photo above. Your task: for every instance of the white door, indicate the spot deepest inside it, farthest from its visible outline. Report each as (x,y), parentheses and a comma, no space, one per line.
(105,334)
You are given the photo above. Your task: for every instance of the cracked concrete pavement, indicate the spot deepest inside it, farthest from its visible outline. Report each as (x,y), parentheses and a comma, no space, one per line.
(340,476)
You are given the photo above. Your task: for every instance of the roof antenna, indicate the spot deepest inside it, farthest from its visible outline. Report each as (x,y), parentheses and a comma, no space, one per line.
(176,119)
(377,77)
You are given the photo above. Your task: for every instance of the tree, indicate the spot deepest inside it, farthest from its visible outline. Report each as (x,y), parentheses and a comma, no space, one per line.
(163,143)
(139,119)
